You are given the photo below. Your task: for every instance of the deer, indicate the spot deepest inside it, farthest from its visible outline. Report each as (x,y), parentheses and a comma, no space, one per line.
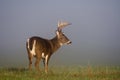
(41,48)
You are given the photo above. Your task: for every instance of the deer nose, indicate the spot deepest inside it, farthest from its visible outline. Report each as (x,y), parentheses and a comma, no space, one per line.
(69,42)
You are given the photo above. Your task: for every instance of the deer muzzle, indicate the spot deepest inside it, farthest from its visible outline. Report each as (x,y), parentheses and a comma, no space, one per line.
(69,42)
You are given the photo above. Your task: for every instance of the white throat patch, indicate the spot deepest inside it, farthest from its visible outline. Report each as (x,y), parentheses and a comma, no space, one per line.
(61,44)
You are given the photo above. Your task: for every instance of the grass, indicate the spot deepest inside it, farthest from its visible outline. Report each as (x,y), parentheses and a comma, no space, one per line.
(63,73)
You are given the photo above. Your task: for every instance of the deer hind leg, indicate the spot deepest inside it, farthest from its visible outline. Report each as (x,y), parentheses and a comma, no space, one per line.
(37,63)
(30,56)
(30,62)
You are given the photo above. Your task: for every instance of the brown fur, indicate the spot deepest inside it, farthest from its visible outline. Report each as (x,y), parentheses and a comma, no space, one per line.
(48,47)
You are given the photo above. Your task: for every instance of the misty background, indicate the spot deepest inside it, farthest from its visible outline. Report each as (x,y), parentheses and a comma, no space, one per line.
(95,30)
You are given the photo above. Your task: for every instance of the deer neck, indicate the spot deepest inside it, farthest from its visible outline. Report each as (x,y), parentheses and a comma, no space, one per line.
(55,44)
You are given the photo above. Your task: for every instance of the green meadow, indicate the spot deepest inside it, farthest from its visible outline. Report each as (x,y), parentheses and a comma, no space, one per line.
(63,73)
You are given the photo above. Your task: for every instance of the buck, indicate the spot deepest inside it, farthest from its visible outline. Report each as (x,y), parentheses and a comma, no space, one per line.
(41,48)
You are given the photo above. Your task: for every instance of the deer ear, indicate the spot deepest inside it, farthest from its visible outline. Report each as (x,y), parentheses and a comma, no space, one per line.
(57,33)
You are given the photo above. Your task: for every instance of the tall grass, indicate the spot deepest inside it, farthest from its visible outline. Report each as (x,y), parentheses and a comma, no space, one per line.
(63,73)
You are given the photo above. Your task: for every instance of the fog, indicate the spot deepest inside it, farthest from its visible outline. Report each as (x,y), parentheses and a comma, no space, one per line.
(95,30)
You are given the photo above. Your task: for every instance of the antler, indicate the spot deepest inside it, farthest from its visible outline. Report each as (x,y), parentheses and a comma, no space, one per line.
(62,25)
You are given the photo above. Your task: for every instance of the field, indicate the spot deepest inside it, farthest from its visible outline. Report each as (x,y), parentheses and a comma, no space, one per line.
(63,73)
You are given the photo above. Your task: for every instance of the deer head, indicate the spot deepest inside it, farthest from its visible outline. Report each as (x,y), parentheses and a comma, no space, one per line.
(61,36)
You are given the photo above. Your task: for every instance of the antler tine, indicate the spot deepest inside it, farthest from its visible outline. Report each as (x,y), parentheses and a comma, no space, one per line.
(62,25)
(59,29)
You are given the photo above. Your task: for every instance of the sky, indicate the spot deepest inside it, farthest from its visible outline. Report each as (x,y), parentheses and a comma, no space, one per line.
(95,30)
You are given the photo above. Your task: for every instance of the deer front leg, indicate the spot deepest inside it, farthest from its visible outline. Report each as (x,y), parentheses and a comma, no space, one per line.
(46,63)
(43,61)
